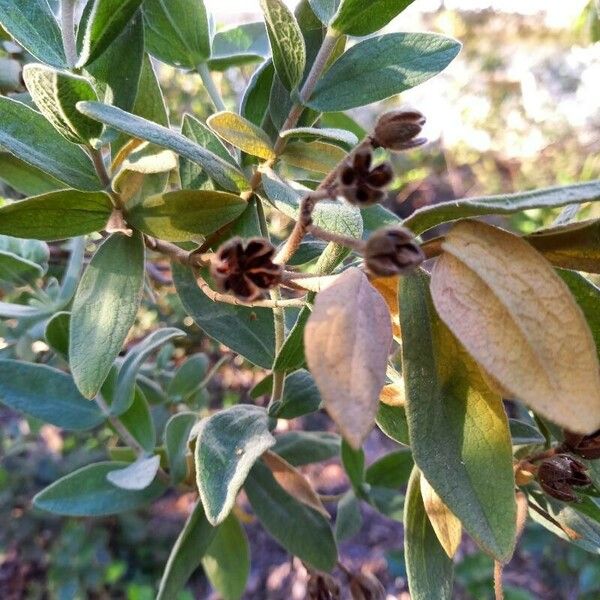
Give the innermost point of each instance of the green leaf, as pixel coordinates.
(349, 519)
(24, 178)
(291, 356)
(104, 309)
(18, 270)
(47, 394)
(380, 67)
(430, 571)
(88, 493)
(287, 42)
(318, 157)
(177, 433)
(106, 22)
(255, 103)
(125, 389)
(391, 471)
(523, 433)
(138, 421)
(587, 296)
(356, 17)
(56, 93)
(306, 447)
(447, 401)
(192, 175)
(242, 134)
(392, 421)
(338, 217)
(57, 333)
(353, 462)
(227, 445)
(239, 46)
(188, 377)
(247, 331)
(56, 215)
(120, 86)
(136, 476)
(191, 545)
(227, 560)
(574, 246)
(325, 9)
(300, 397)
(33, 25)
(29, 136)
(177, 32)
(337, 136)
(429, 217)
(179, 216)
(301, 530)
(220, 170)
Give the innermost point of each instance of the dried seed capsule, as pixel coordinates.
(365, 586)
(586, 446)
(398, 129)
(246, 268)
(322, 586)
(559, 474)
(392, 251)
(360, 184)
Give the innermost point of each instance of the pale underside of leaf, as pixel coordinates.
(518, 319)
(347, 340)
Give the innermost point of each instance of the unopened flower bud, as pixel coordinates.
(586, 446)
(362, 185)
(398, 129)
(559, 474)
(392, 251)
(365, 586)
(246, 268)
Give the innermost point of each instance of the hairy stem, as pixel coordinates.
(67, 21)
(498, 587)
(120, 428)
(227, 299)
(210, 86)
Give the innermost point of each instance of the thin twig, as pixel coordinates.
(120, 428)
(210, 87)
(177, 254)
(336, 238)
(227, 299)
(433, 248)
(498, 587)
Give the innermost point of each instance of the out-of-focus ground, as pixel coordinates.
(517, 110)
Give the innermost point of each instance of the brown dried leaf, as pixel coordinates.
(347, 340)
(517, 318)
(446, 525)
(293, 482)
(388, 288)
(393, 395)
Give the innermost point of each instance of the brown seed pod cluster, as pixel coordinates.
(559, 474)
(586, 446)
(246, 268)
(397, 130)
(392, 251)
(360, 183)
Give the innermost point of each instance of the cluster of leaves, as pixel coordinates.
(427, 357)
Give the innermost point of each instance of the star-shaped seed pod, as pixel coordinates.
(397, 130)
(246, 268)
(586, 446)
(559, 474)
(392, 251)
(362, 185)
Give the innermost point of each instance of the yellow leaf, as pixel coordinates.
(517, 318)
(388, 288)
(446, 525)
(393, 395)
(314, 156)
(242, 134)
(293, 482)
(347, 340)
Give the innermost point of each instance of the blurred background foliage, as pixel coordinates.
(518, 110)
